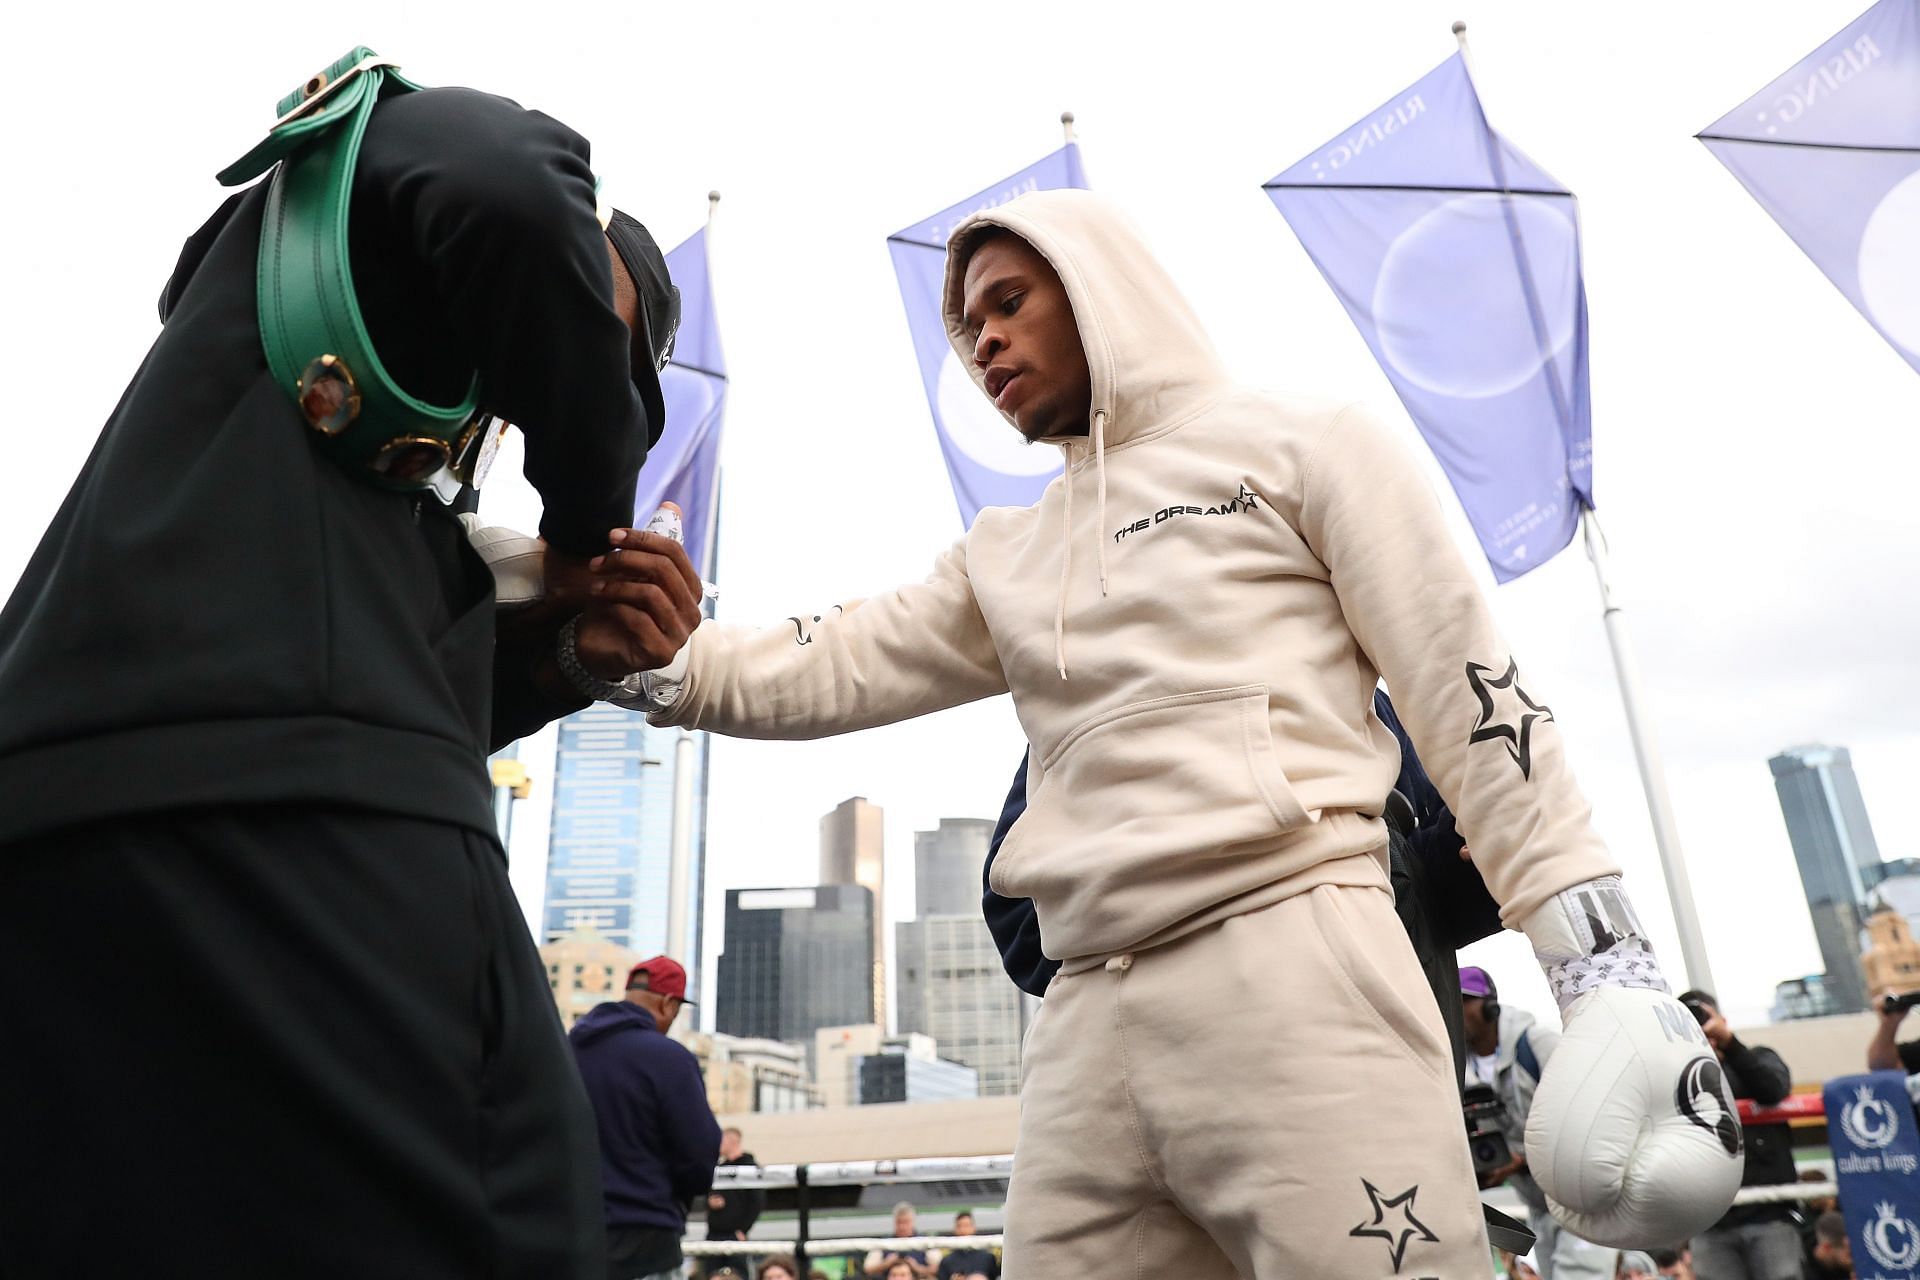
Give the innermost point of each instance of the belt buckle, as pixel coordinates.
(319, 86)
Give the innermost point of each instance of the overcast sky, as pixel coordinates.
(1754, 439)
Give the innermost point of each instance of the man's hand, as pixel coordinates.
(716, 1202)
(642, 604)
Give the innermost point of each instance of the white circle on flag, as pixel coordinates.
(1448, 305)
(1889, 264)
(977, 429)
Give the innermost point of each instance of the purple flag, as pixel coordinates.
(1458, 259)
(684, 467)
(1832, 150)
(989, 464)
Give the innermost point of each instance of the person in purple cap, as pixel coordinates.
(1506, 1050)
(658, 1138)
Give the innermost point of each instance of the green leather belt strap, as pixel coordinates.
(316, 341)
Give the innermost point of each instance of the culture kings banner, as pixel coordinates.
(1876, 1162)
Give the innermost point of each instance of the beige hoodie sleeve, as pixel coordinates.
(911, 651)
(1484, 732)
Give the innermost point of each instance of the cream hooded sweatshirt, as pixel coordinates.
(1192, 621)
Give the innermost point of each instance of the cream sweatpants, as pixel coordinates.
(1269, 1098)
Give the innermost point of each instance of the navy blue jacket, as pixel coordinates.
(1454, 898)
(659, 1141)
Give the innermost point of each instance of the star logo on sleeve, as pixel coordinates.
(1506, 713)
(1397, 1228)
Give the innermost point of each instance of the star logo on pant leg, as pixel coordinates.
(1513, 720)
(1398, 1228)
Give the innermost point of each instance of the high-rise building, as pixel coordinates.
(796, 960)
(947, 863)
(611, 847)
(853, 851)
(951, 986)
(1838, 858)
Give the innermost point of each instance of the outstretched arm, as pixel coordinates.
(908, 652)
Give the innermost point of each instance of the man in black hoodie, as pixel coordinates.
(245, 703)
(658, 1137)
(1753, 1241)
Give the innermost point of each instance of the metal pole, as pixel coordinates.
(680, 869)
(801, 1205)
(1653, 776)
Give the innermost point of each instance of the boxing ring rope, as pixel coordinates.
(864, 1173)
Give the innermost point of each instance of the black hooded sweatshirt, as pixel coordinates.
(220, 615)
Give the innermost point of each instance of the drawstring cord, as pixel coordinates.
(1100, 534)
(1100, 474)
(1066, 571)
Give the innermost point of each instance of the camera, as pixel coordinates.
(1485, 1112)
(1894, 1004)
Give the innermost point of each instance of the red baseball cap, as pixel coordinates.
(664, 977)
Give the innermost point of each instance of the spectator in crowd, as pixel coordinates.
(1507, 1050)
(1818, 1204)
(731, 1214)
(1884, 1053)
(779, 1266)
(880, 1262)
(963, 1263)
(658, 1137)
(1832, 1249)
(900, 1269)
(1635, 1265)
(1674, 1264)
(1753, 1241)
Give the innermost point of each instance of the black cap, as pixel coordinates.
(659, 310)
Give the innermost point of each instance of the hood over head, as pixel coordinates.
(611, 1018)
(1151, 362)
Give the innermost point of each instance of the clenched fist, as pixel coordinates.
(642, 604)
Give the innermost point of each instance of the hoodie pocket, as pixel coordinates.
(1136, 793)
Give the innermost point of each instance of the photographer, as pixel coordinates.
(1506, 1052)
(1754, 1241)
(1883, 1052)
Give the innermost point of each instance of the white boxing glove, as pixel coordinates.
(1633, 1133)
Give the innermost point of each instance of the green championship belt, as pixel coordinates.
(316, 340)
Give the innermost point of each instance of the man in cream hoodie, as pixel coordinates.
(1239, 1069)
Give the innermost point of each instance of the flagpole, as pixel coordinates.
(680, 861)
(1466, 54)
(1653, 774)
